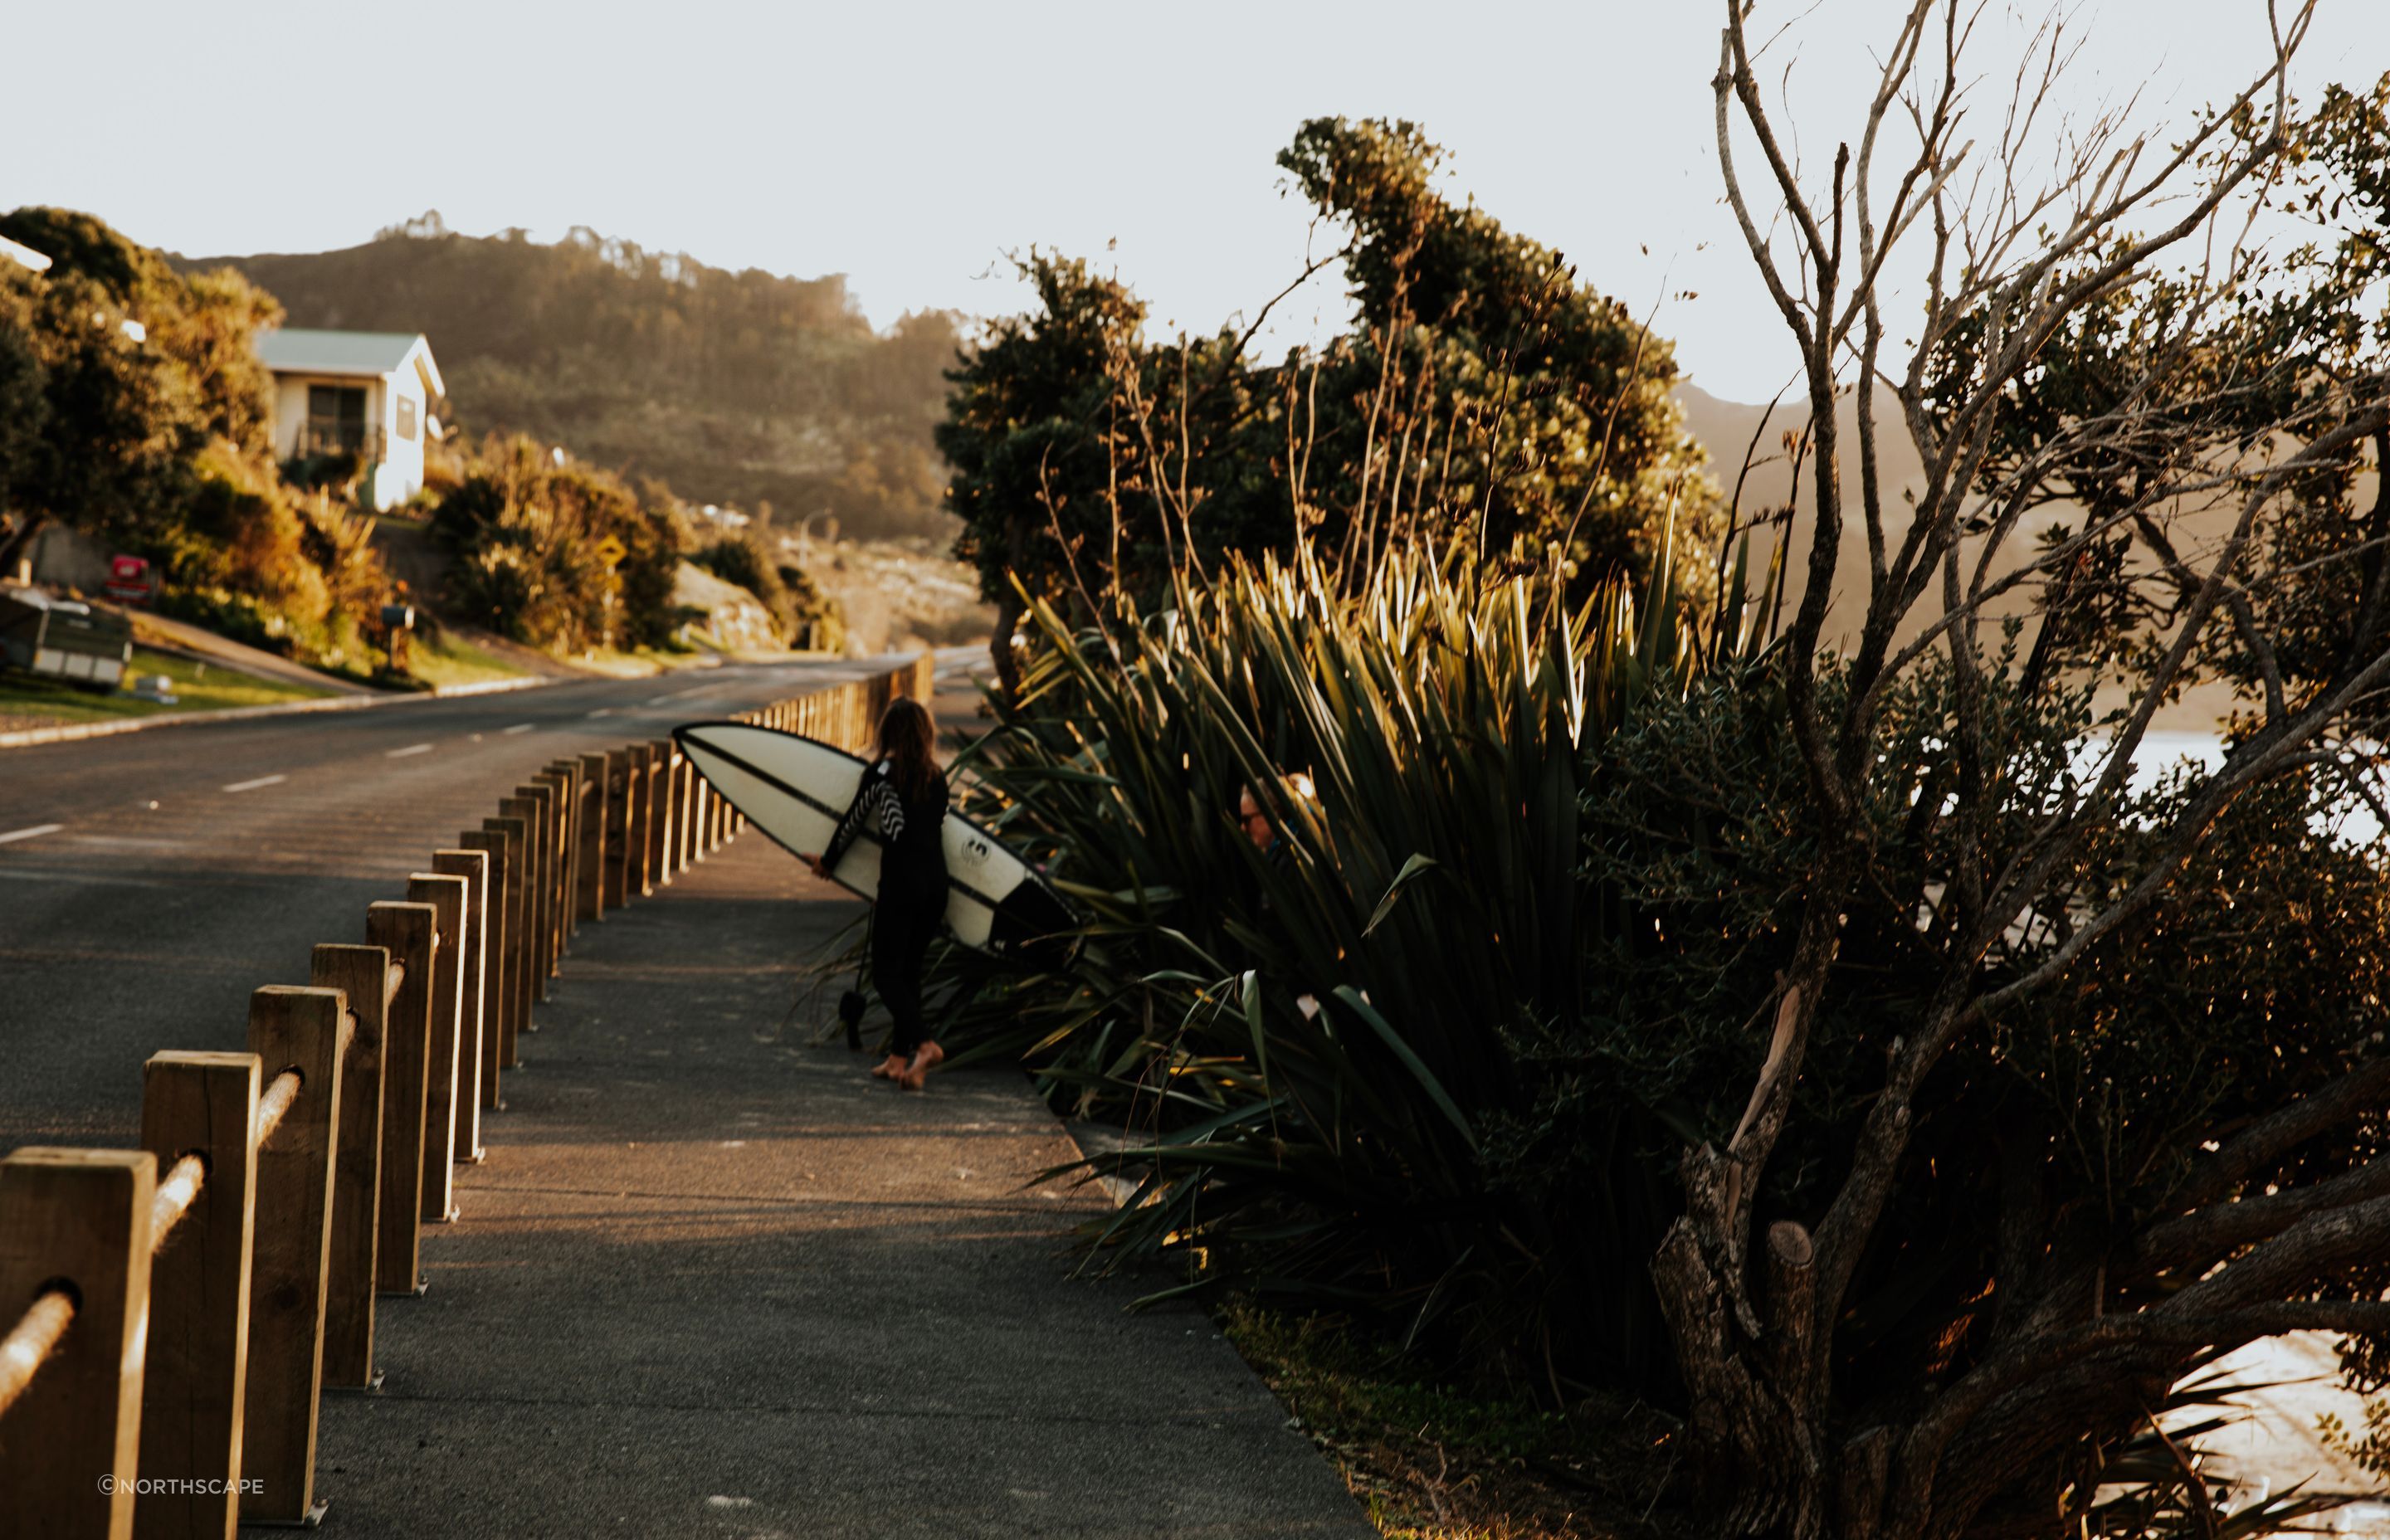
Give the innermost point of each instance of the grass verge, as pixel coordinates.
(447, 660)
(198, 687)
(1432, 1462)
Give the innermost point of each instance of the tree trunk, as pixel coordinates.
(1000, 647)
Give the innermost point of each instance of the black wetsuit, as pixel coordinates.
(912, 887)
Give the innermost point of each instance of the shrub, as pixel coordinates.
(1321, 1051)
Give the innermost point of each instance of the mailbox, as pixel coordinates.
(64, 639)
(129, 580)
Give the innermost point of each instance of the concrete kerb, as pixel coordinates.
(67, 733)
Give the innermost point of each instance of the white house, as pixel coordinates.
(366, 392)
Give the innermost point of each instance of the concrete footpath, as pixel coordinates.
(715, 1282)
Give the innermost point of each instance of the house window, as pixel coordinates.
(335, 419)
(406, 420)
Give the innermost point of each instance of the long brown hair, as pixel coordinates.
(908, 741)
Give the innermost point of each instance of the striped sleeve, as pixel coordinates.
(870, 798)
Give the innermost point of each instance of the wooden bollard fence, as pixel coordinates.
(366, 977)
(78, 1219)
(196, 1361)
(305, 1031)
(411, 934)
(186, 1319)
(472, 970)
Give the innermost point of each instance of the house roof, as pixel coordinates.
(297, 350)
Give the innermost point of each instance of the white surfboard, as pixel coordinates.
(796, 789)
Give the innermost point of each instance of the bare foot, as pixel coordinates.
(890, 1067)
(925, 1058)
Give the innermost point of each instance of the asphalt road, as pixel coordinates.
(149, 881)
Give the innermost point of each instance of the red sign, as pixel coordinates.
(129, 580)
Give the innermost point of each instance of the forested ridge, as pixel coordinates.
(741, 388)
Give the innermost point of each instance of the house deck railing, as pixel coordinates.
(338, 437)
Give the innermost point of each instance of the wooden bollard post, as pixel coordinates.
(560, 820)
(686, 817)
(533, 804)
(446, 895)
(634, 760)
(539, 867)
(617, 788)
(667, 809)
(568, 772)
(202, 1104)
(472, 973)
(538, 887)
(676, 823)
(592, 895)
(411, 934)
(529, 803)
(651, 816)
(67, 1447)
(362, 974)
(659, 850)
(519, 922)
(304, 1030)
(639, 819)
(560, 878)
(497, 1008)
(639, 878)
(684, 793)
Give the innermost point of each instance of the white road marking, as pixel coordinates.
(14, 835)
(410, 749)
(261, 780)
(603, 710)
(519, 727)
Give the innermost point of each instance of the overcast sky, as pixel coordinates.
(909, 147)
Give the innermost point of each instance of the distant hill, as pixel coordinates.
(1730, 429)
(743, 388)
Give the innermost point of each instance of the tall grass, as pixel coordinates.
(1317, 1053)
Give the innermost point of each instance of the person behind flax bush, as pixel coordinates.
(903, 801)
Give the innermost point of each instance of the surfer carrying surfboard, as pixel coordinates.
(902, 799)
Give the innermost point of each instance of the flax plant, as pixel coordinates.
(1315, 1052)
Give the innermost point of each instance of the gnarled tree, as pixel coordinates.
(2122, 345)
